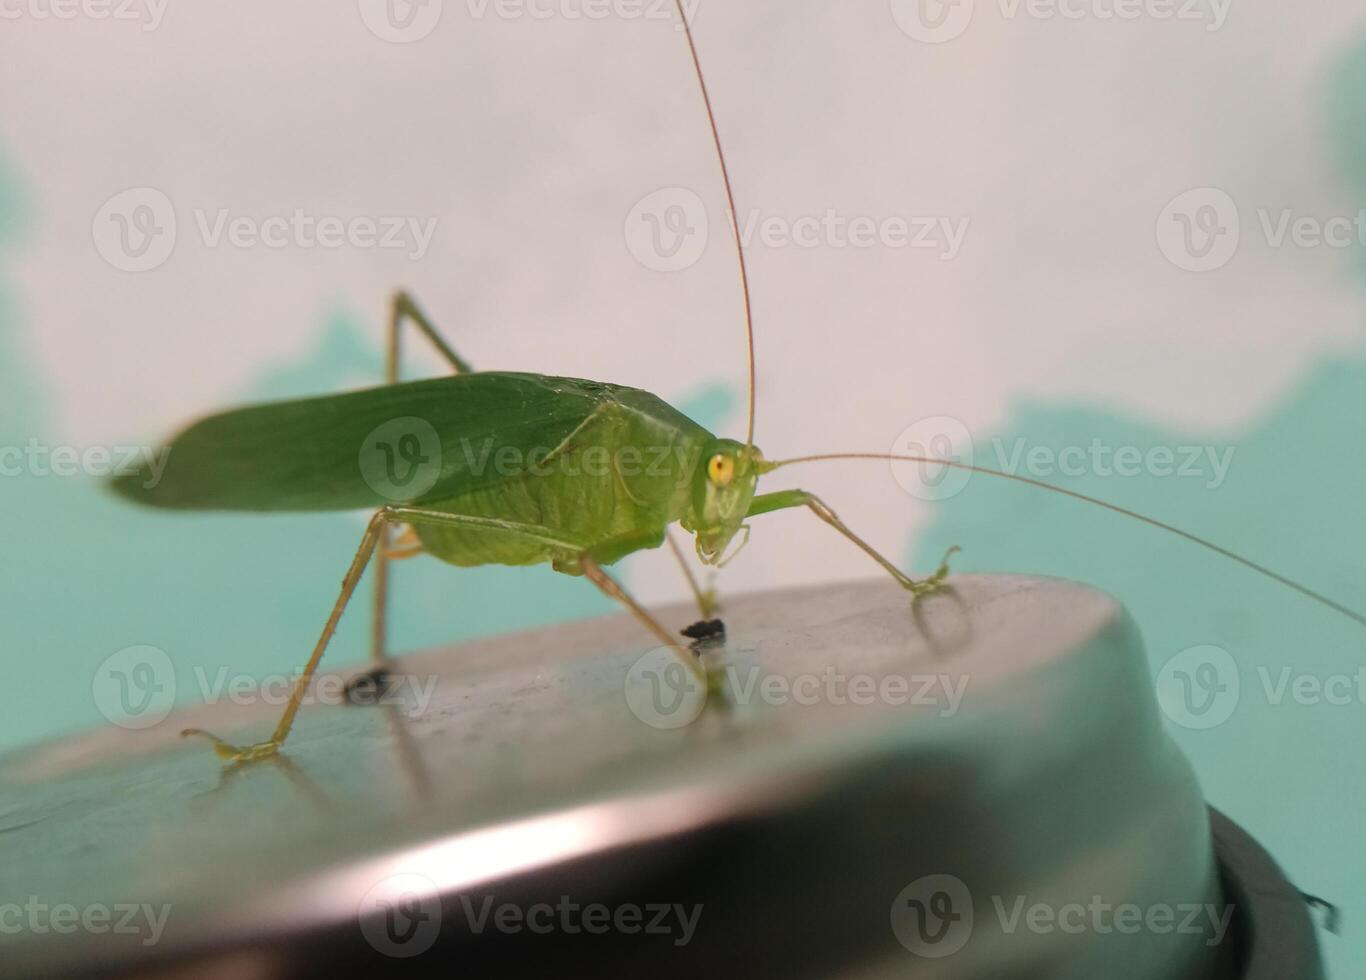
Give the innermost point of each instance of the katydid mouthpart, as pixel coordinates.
(517, 469)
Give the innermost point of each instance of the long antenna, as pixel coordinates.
(730, 200)
(1260, 569)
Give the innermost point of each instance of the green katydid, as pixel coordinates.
(517, 469)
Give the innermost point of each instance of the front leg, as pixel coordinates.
(787, 499)
(707, 605)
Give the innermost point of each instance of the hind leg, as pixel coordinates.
(374, 531)
(403, 310)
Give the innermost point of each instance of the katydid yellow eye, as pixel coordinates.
(721, 470)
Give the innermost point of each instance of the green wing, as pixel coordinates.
(405, 443)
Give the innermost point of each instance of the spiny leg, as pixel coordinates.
(264, 750)
(612, 588)
(403, 309)
(369, 543)
(785, 499)
(406, 310)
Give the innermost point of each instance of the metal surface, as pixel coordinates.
(806, 817)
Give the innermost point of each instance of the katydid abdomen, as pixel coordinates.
(612, 486)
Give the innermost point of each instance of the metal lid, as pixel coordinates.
(973, 785)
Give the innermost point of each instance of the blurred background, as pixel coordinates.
(1112, 244)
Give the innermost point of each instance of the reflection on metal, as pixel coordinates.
(863, 764)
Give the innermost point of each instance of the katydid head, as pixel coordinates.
(722, 490)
